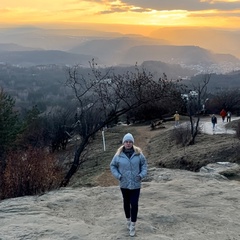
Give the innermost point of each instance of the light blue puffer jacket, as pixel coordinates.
(126, 170)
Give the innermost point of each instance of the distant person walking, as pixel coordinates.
(214, 121)
(176, 118)
(223, 114)
(129, 166)
(229, 115)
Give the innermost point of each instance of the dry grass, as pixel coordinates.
(159, 149)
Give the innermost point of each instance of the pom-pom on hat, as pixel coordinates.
(128, 137)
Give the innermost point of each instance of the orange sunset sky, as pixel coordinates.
(147, 13)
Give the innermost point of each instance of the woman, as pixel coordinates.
(129, 166)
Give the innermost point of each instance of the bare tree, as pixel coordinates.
(104, 97)
(195, 104)
(228, 99)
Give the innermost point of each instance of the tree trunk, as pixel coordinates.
(194, 130)
(76, 163)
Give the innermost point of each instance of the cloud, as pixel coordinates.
(189, 5)
(215, 14)
(116, 6)
(138, 12)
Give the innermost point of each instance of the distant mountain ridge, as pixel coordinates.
(216, 40)
(32, 58)
(130, 51)
(78, 46)
(118, 53)
(15, 47)
(176, 54)
(113, 50)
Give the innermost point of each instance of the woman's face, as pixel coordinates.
(128, 144)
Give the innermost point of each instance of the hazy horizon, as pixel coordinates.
(218, 40)
(144, 30)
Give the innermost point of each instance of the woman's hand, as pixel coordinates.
(138, 178)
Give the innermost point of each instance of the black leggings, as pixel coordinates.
(130, 202)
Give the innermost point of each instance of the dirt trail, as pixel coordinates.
(144, 136)
(142, 139)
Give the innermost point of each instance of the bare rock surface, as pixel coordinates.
(174, 205)
(227, 169)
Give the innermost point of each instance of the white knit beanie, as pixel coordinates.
(128, 137)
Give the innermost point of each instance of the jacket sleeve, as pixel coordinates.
(114, 168)
(143, 166)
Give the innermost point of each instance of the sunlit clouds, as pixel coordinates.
(214, 13)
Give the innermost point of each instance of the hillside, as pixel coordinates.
(174, 204)
(160, 150)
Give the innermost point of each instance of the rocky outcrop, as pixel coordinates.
(225, 169)
(174, 205)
